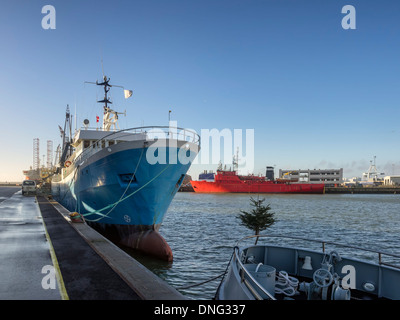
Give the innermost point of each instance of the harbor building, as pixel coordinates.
(391, 181)
(329, 177)
(351, 182)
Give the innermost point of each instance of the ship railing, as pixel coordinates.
(146, 132)
(169, 132)
(379, 254)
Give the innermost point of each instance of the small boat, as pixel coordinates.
(278, 272)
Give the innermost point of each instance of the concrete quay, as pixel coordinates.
(363, 190)
(46, 256)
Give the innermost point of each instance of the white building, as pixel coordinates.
(327, 176)
(351, 181)
(391, 181)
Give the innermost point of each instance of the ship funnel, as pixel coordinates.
(269, 175)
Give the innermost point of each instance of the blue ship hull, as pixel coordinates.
(121, 194)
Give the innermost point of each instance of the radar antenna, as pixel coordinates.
(110, 117)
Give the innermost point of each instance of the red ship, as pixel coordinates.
(231, 182)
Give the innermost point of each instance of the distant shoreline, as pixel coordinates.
(357, 190)
(365, 190)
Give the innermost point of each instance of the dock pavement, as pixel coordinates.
(46, 256)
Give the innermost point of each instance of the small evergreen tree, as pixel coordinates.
(259, 218)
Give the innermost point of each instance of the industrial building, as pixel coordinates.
(328, 176)
(391, 181)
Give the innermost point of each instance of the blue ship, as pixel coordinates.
(123, 181)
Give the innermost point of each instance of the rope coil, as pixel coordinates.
(286, 284)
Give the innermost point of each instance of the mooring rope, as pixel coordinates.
(203, 282)
(199, 284)
(126, 189)
(112, 205)
(97, 212)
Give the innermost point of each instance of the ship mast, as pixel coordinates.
(235, 162)
(110, 117)
(66, 139)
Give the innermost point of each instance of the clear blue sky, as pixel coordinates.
(317, 96)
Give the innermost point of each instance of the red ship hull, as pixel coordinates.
(229, 182)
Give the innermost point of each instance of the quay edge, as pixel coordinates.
(358, 190)
(142, 281)
(363, 190)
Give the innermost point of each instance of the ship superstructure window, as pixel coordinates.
(86, 144)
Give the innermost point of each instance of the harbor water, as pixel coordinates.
(202, 230)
